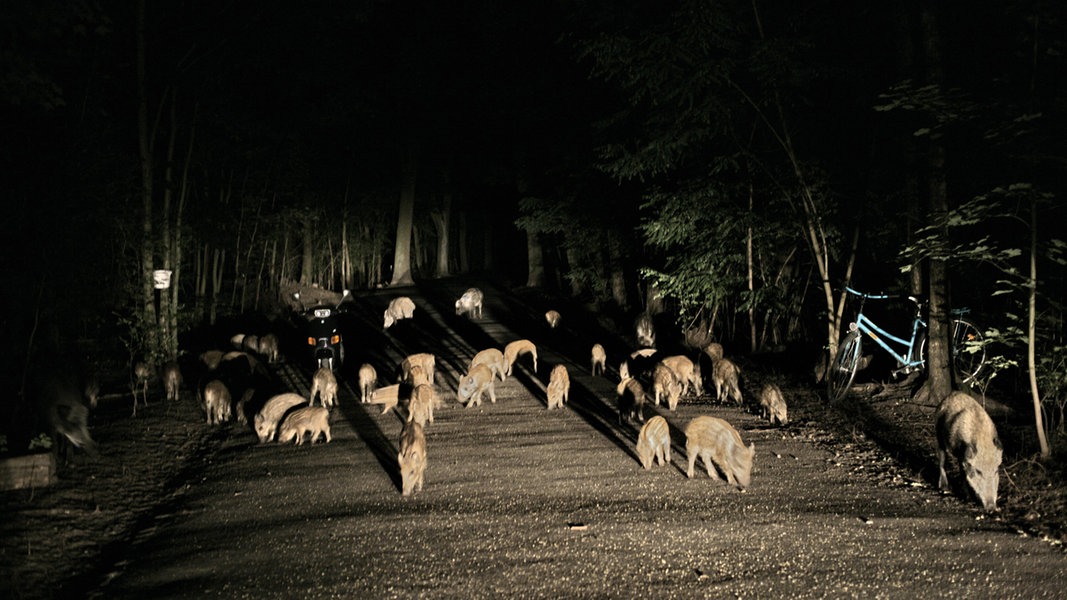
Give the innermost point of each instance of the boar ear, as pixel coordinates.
(996, 442)
(969, 452)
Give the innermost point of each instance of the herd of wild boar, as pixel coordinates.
(963, 428)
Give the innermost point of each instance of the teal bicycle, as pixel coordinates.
(968, 352)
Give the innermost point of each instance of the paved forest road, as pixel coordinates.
(520, 501)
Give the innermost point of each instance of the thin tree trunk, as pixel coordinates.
(145, 145)
(442, 221)
(1031, 337)
(464, 259)
(405, 222)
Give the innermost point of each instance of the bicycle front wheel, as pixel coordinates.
(968, 351)
(843, 368)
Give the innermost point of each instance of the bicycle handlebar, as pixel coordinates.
(918, 300)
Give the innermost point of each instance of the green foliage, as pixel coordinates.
(43, 441)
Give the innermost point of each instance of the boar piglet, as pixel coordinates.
(654, 442)
(399, 308)
(478, 380)
(559, 387)
(324, 385)
(772, 404)
(470, 303)
(412, 457)
(266, 420)
(719, 445)
(313, 420)
(631, 398)
(965, 430)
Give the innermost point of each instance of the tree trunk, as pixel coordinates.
(307, 256)
(145, 144)
(1031, 335)
(464, 259)
(617, 268)
(404, 223)
(535, 260)
(441, 220)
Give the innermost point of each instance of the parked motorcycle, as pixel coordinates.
(322, 333)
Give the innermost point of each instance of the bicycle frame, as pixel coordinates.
(906, 359)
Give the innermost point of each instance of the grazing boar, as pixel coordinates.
(515, 349)
(639, 363)
(631, 399)
(559, 387)
(141, 374)
(250, 343)
(172, 380)
(492, 358)
(67, 415)
(425, 361)
(470, 303)
(687, 372)
(420, 407)
(268, 347)
(314, 420)
(211, 359)
(389, 396)
(266, 420)
(599, 359)
(645, 331)
(965, 431)
(237, 341)
(399, 308)
(241, 409)
(725, 375)
(666, 383)
(714, 351)
(553, 317)
(478, 380)
(368, 380)
(412, 457)
(772, 404)
(324, 385)
(654, 442)
(216, 403)
(715, 441)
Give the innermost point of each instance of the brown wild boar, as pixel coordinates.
(478, 380)
(772, 404)
(631, 399)
(368, 380)
(211, 359)
(687, 372)
(420, 407)
(965, 431)
(470, 303)
(645, 331)
(389, 396)
(266, 420)
(714, 351)
(237, 341)
(141, 374)
(598, 360)
(172, 380)
(250, 343)
(314, 420)
(665, 383)
(654, 442)
(553, 317)
(217, 402)
(424, 360)
(412, 457)
(559, 387)
(725, 375)
(492, 358)
(715, 441)
(399, 308)
(324, 386)
(241, 410)
(516, 349)
(268, 347)
(67, 415)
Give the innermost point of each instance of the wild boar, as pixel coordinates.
(250, 343)
(687, 372)
(425, 361)
(515, 349)
(217, 402)
(67, 415)
(492, 358)
(266, 420)
(389, 396)
(631, 400)
(654, 442)
(368, 380)
(478, 380)
(470, 303)
(645, 331)
(211, 359)
(420, 407)
(725, 376)
(412, 457)
(399, 308)
(313, 420)
(598, 360)
(324, 386)
(268, 347)
(639, 363)
(772, 404)
(559, 387)
(715, 441)
(139, 381)
(237, 341)
(172, 380)
(241, 410)
(553, 317)
(965, 431)
(714, 351)
(665, 383)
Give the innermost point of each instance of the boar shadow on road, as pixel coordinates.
(383, 448)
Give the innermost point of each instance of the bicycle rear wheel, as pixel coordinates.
(843, 368)
(968, 352)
